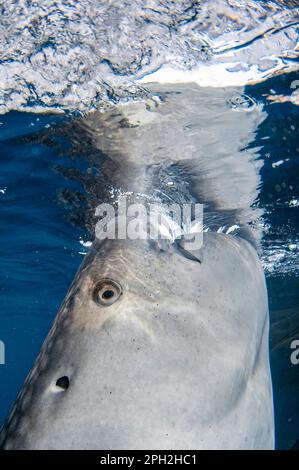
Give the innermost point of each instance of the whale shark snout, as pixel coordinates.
(154, 349)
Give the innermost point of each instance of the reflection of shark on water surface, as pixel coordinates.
(156, 346)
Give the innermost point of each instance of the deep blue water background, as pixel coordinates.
(40, 248)
(277, 140)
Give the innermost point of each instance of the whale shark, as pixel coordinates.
(178, 358)
(158, 345)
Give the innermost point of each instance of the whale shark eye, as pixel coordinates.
(106, 292)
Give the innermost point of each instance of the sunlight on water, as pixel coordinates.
(80, 55)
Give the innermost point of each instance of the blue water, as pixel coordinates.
(42, 224)
(39, 248)
(277, 140)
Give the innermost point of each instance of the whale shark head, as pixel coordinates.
(138, 355)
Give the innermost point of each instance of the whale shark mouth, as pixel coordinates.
(77, 56)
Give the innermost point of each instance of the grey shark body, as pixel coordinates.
(154, 347)
(180, 360)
